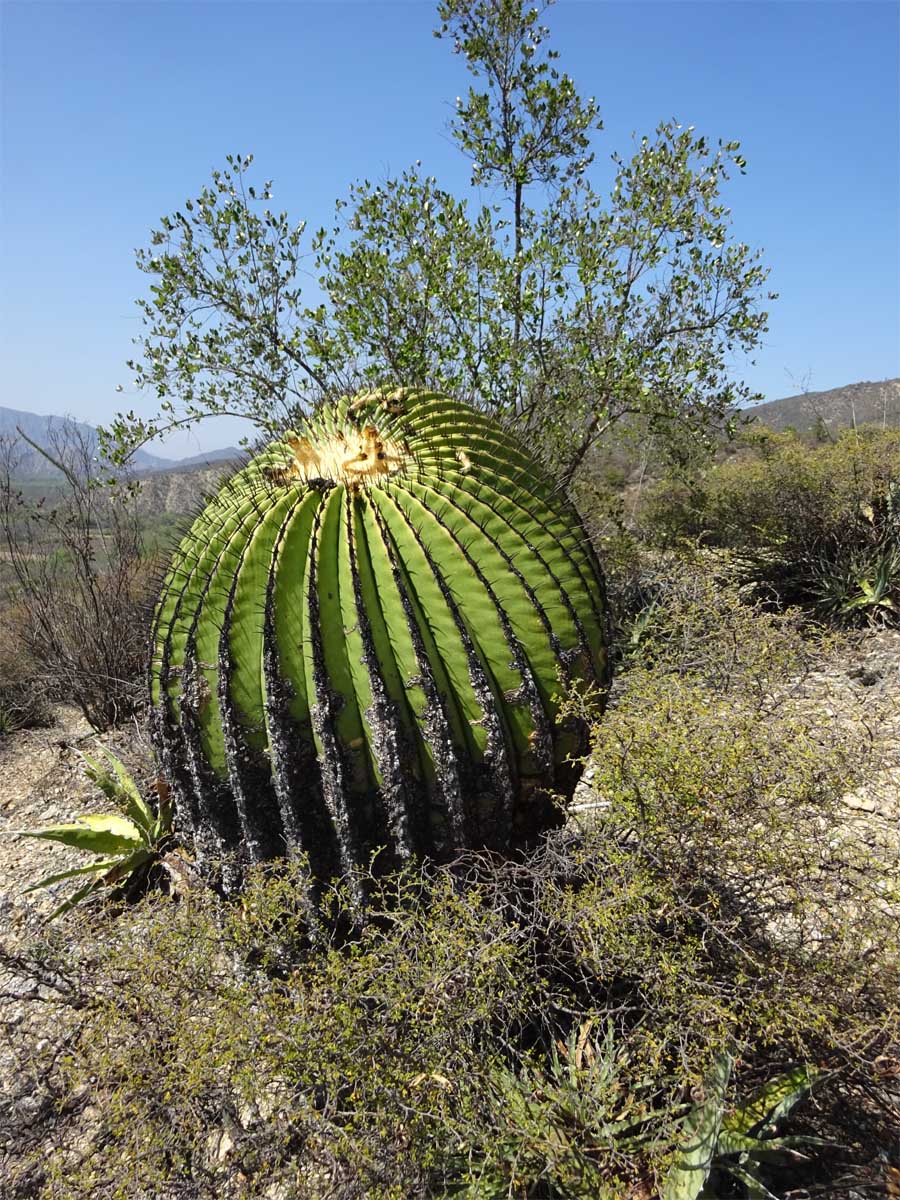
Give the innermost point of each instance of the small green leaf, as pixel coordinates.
(736, 1143)
(772, 1101)
(76, 898)
(756, 1189)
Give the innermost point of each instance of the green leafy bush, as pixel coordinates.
(819, 524)
(720, 804)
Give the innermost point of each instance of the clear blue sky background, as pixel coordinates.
(112, 114)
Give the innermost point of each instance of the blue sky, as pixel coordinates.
(112, 114)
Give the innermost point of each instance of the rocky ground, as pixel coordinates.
(42, 782)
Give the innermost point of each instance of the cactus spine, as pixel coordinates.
(359, 642)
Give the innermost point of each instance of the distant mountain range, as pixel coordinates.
(42, 430)
(839, 408)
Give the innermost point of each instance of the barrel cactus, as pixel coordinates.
(360, 642)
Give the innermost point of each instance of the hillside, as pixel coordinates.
(181, 490)
(855, 404)
(43, 430)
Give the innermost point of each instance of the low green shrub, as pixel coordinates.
(690, 610)
(726, 879)
(813, 524)
(224, 1057)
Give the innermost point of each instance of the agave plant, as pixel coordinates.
(718, 1141)
(867, 585)
(563, 1126)
(878, 595)
(124, 844)
(359, 642)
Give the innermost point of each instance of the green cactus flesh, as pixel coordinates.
(360, 643)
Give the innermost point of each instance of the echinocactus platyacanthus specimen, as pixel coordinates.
(360, 642)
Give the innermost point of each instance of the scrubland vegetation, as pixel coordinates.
(813, 524)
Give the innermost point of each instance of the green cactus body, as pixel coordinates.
(360, 642)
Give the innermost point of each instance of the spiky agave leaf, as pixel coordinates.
(700, 1136)
(102, 834)
(360, 641)
(739, 1140)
